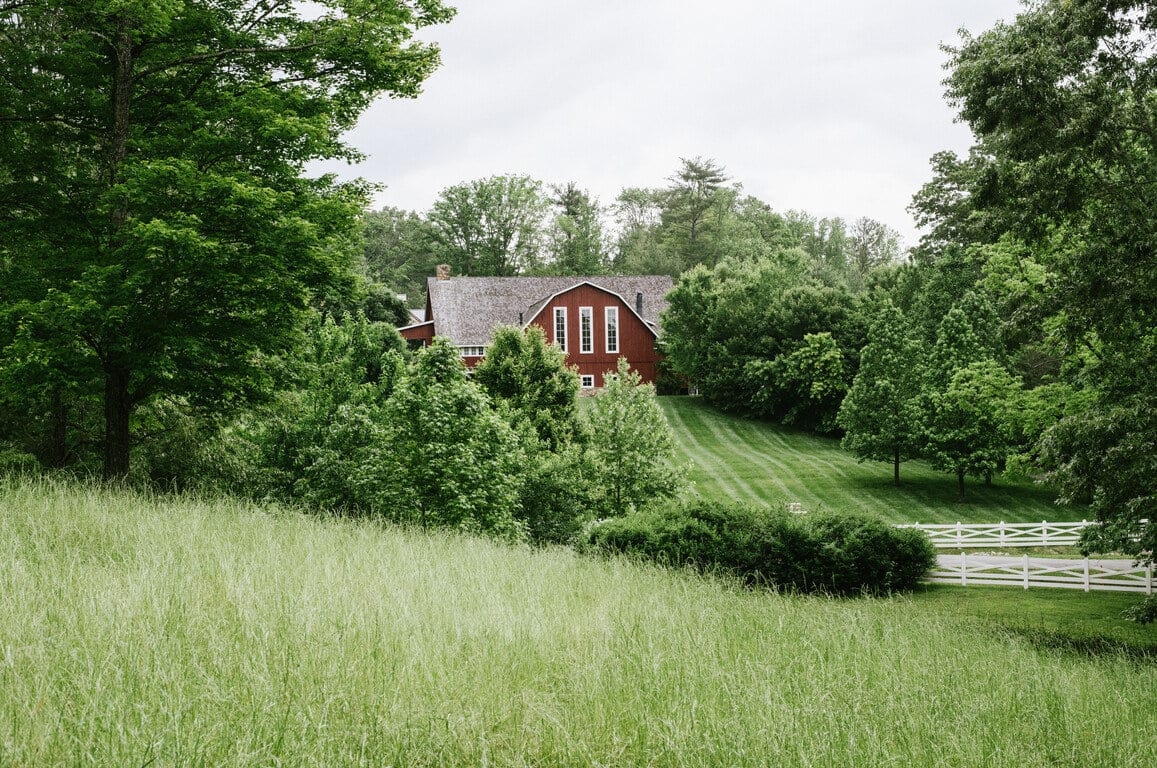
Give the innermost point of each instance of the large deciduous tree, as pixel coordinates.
(491, 226)
(577, 240)
(1061, 102)
(159, 235)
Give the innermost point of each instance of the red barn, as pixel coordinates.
(596, 320)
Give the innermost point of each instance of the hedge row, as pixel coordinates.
(835, 554)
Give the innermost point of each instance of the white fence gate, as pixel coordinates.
(1110, 575)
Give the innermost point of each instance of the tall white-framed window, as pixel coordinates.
(612, 322)
(560, 328)
(586, 330)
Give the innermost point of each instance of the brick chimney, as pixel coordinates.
(443, 272)
(639, 303)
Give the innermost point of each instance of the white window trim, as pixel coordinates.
(560, 341)
(472, 351)
(611, 320)
(588, 381)
(587, 345)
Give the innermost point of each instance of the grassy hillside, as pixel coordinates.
(136, 631)
(754, 461)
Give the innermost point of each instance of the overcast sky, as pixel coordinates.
(829, 106)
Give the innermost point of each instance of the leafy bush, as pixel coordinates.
(861, 553)
(14, 461)
(842, 555)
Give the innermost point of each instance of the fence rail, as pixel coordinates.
(1089, 575)
(1002, 534)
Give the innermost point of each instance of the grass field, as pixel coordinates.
(751, 461)
(141, 631)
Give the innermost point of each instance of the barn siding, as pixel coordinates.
(636, 340)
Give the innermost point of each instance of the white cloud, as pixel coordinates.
(828, 106)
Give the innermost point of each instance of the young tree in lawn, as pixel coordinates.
(159, 235)
(970, 426)
(881, 412)
(630, 445)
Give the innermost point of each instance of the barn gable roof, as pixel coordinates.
(468, 309)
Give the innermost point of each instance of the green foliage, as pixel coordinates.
(556, 496)
(160, 239)
(311, 443)
(577, 241)
(1065, 169)
(397, 250)
(764, 340)
(530, 377)
(881, 414)
(630, 447)
(1105, 457)
(969, 427)
(858, 553)
(836, 554)
(809, 383)
(491, 226)
(446, 457)
(14, 461)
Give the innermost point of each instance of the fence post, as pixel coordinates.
(1002, 533)
(1086, 574)
(959, 537)
(1026, 571)
(1044, 531)
(963, 568)
(1149, 579)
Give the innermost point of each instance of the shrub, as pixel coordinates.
(836, 554)
(14, 461)
(861, 553)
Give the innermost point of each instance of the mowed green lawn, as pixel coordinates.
(174, 632)
(757, 462)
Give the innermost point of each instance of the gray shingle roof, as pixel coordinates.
(468, 309)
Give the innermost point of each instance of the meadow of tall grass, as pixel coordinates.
(147, 631)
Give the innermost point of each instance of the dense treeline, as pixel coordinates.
(515, 225)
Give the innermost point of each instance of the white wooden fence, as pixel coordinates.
(1110, 575)
(1002, 534)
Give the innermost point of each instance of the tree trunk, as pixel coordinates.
(118, 403)
(58, 435)
(117, 410)
(896, 466)
(960, 486)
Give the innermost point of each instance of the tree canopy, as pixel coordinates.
(160, 235)
(1063, 173)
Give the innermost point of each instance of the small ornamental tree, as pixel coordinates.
(530, 376)
(881, 415)
(447, 458)
(969, 428)
(630, 444)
